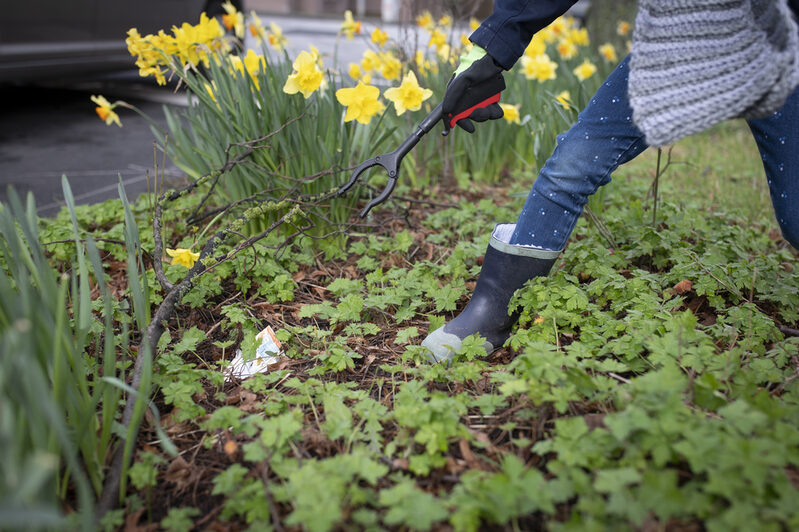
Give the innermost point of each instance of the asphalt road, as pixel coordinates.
(47, 132)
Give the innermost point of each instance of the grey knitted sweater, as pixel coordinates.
(697, 62)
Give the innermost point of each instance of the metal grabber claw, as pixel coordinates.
(391, 161)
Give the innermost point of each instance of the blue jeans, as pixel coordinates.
(605, 137)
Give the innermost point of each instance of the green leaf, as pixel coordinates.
(189, 341)
(612, 480)
(411, 507)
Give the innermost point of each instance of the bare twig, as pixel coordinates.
(600, 226)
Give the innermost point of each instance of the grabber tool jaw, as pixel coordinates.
(391, 162)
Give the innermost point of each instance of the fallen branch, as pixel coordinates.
(289, 213)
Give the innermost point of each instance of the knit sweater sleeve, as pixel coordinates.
(508, 30)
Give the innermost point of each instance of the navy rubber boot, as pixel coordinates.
(506, 268)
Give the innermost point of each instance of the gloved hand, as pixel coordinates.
(473, 91)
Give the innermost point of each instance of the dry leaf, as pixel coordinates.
(231, 448)
(181, 473)
(682, 287)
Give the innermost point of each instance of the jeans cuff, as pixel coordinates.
(500, 240)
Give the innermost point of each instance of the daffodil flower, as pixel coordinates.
(370, 61)
(275, 37)
(608, 51)
(425, 20)
(355, 71)
(150, 52)
(233, 19)
(579, 36)
(559, 26)
(567, 49)
(390, 66)
(379, 37)
(540, 67)
(537, 46)
(445, 21)
(409, 95)
(511, 113)
(306, 77)
(193, 42)
(257, 29)
(251, 64)
(362, 102)
(474, 23)
(105, 110)
(350, 26)
(585, 70)
(437, 38)
(424, 65)
(183, 257)
(564, 99)
(623, 28)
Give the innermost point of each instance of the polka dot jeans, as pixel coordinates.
(605, 137)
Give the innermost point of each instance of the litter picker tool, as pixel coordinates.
(391, 161)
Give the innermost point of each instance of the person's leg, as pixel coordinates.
(777, 139)
(602, 138)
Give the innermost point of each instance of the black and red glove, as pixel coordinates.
(473, 92)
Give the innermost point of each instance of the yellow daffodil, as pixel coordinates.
(362, 102)
(350, 26)
(409, 95)
(540, 67)
(233, 19)
(567, 49)
(608, 51)
(444, 54)
(379, 37)
(623, 28)
(257, 29)
(390, 66)
(306, 77)
(370, 61)
(275, 37)
(424, 65)
(564, 99)
(445, 21)
(317, 55)
(474, 23)
(559, 26)
(193, 43)
(355, 71)
(425, 20)
(548, 35)
(183, 257)
(585, 70)
(252, 64)
(151, 52)
(437, 38)
(511, 113)
(579, 36)
(105, 110)
(466, 43)
(537, 46)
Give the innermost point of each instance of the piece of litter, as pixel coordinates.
(268, 352)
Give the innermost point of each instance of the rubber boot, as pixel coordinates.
(506, 268)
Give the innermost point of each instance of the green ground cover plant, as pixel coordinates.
(651, 382)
